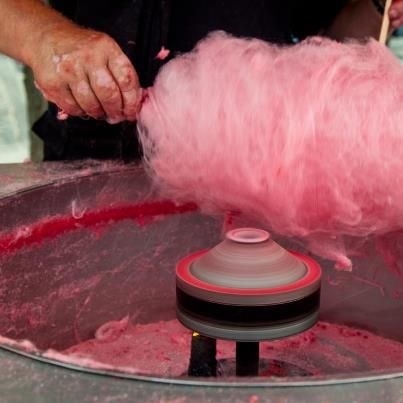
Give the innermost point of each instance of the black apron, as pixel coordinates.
(141, 27)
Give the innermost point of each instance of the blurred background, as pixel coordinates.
(21, 104)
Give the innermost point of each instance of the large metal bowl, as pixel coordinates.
(63, 274)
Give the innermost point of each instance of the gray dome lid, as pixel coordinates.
(248, 258)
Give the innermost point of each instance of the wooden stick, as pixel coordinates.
(385, 23)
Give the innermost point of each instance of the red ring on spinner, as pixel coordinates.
(312, 275)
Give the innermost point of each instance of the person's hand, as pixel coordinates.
(85, 73)
(396, 14)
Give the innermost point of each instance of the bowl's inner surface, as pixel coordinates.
(77, 255)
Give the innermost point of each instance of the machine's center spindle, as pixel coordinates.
(248, 235)
(247, 289)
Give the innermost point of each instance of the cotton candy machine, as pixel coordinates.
(88, 302)
(247, 289)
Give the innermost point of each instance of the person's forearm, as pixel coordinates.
(358, 19)
(83, 72)
(22, 24)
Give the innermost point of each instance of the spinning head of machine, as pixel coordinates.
(248, 289)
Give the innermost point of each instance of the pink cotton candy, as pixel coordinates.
(163, 53)
(62, 115)
(306, 138)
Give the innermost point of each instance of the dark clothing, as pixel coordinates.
(141, 27)
(279, 21)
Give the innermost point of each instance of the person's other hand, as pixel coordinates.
(396, 14)
(85, 73)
